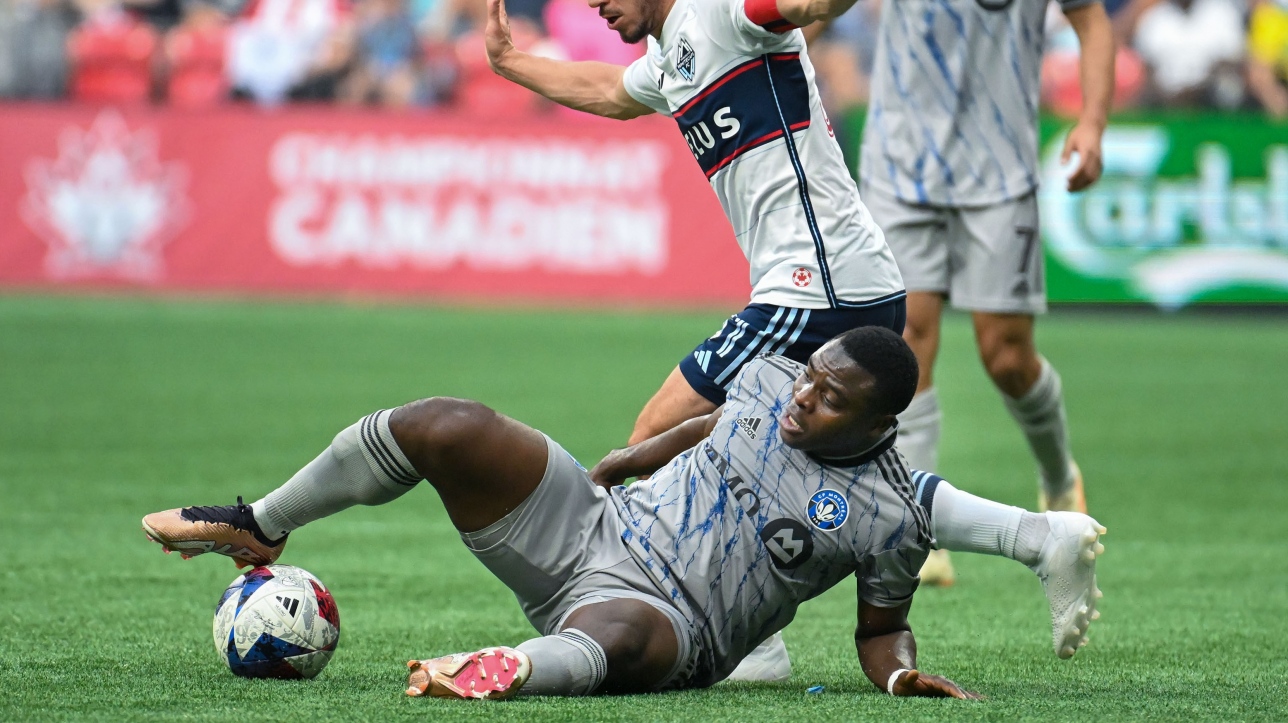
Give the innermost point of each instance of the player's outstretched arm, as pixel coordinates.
(804, 12)
(586, 86)
(1096, 74)
(888, 654)
(650, 455)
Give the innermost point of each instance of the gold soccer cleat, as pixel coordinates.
(1074, 500)
(489, 674)
(228, 530)
(937, 570)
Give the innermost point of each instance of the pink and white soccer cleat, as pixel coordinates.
(489, 674)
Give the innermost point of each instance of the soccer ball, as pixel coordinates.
(276, 622)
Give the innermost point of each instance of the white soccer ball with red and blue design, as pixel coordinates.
(277, 621)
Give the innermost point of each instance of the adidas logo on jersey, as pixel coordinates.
(749, 425)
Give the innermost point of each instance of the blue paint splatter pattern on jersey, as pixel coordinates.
(953, 113)
(725, 526)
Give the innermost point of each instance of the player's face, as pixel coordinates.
(632, 19)
(830, 410)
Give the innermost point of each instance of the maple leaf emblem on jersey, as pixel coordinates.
(802, 276)
(685, 60)
(107, 204)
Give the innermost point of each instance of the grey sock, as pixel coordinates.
(919, 431)
(570, 663)
(363, 466)
(1041, 416)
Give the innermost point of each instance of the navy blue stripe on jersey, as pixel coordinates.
(772, 335)
(734, 114)
(871, 302)
(768, 329)
(793, 88)
(926, 485)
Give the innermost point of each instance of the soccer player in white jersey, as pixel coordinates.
(735, 76)
(789, 488)
(949, 170)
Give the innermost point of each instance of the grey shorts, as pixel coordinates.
(562, 549)
(985, 259)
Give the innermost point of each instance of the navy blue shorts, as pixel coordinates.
(793, 333)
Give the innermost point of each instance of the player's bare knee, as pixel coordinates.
(625, 642)
(629, 632)
(438, 424)
(1012, 366)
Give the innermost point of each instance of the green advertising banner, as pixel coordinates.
(1190, 209)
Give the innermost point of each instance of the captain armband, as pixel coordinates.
(765, 14)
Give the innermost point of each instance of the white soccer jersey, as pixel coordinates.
(746, 101)
(953, 116)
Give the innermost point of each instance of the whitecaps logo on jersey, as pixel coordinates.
(828, 510)
(686, 60)
(107, 204)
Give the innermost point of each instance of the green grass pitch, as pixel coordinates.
(112, 408)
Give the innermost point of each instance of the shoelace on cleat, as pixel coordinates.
(240, 516)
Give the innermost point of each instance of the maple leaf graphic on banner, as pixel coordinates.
(107, 204)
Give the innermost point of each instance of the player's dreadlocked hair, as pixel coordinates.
(888, 358)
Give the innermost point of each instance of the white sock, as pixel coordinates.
(919, 431)
(363, 466)
(1040, 414)
(962, 522)
(570, 663)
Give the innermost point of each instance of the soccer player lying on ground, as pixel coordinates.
(793, 485)
(735, 76)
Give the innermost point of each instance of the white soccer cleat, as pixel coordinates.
(1067, 568)
(768, 663)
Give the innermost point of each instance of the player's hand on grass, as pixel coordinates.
(1084, 140)
(912, 683)
(496, 35)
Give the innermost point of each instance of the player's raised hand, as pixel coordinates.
(912, 683)
(1084, 140)
(496, 35)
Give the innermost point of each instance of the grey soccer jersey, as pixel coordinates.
(952, 119)
(741, 529)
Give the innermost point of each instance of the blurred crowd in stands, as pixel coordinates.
(1213, 54)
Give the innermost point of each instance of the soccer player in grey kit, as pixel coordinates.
(735, 75)
(790, 487)
(948, 169)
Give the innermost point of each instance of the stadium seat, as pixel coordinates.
(482, 92)
(1062, 87)
(197, 77)
(111, 58)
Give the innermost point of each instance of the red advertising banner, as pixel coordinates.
(324, 200)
